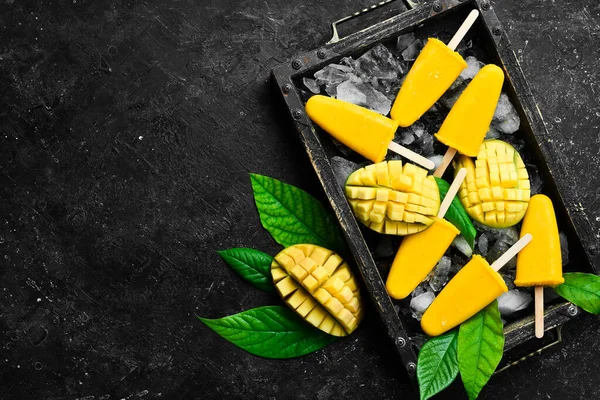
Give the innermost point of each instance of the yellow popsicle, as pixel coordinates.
(468, 121)
(417, 256)
(471, 290)
(540, 263)
(364, 131)
(433, 72)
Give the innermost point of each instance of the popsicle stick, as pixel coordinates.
(450, 153)
(464, 28)
(411, 155)
(510, 253)
(539, 312)
(452, 190)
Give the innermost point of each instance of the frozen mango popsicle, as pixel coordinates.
(364, 131)
(465, 126)
(419, 253)
(540, 264)
(475, 286)
(472, 289)
(433, 72)
(417, 256)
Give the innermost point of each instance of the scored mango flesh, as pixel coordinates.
(393, 199)
(496, 190)
(319, 286)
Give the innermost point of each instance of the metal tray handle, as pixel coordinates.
(336, 37)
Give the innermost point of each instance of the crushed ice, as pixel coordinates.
(371, 81)
(513, 301)
(420, 303)
(440, 274)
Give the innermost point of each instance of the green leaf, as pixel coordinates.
(252, 265)
(292, 216)
(480, 346)
(457, 214)
(437, 366)
(271, 332)
(581, 289)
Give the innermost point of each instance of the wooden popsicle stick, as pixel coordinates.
(464, 28)
(450, 153)
(411, 155)
(539, 312)
(452, 190)
(510, 253)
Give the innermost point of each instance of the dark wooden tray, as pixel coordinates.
(438, 19)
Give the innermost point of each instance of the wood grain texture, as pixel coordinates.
(121, 174)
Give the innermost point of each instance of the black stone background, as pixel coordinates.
(127, 131)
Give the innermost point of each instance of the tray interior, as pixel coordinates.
(480, 44)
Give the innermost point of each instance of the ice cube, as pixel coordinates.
(422, 288)
(334, 74)
(311, 85)
(508, 235)
(420, 303)
(406, 137)
(456, 84)
(482, 244)
(451, 96)
(506, 119)
(459, 260)
(404, 41)
(424, 145)
(473, 67)
(513, 301)
(483, 228)
(564, 248)
(509, 277)
(461, 244)
(412, 51)
(440, 274)
(365, 96)
(492, 134)
(342, 169)
(378, 63)
(437, 160)
(418, 128)
(379, 68)
(535, 179)
(349, 92)
(348, 62)
(331, 90)
(497, 250)
(389, 88)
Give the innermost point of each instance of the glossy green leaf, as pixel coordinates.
(437, 366)
(581, 289)
(271, 332)
(292, 216)
(457, 214)
(480, 347)
(252, 265)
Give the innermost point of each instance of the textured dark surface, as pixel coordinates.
(127, 131)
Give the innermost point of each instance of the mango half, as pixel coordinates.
(319, 286)
(393, 199)
(496, 190)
